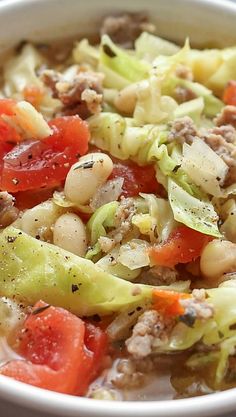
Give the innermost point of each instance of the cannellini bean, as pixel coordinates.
(70, 234)
(84, 177)
(38, 221)
(126, 99)
(218, 258)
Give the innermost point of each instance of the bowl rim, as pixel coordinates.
(31, 397)
(67, 405)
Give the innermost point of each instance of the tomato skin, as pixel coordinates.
(35, 164)
(137, 179)
(8, 134)
(7, 106)
(168, 302)
(96, 341)
(53, 344)
(229, 96)
(183, 245)
(33, 95)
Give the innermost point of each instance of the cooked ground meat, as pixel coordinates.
(158, 275)
(150, 332)
(126, 28)
(8, 213)
(184, 72)
(222, 140)
(183, 94)
(82, 95)
(196, 307)
(182, 130)
(227, 116)
(123, 217)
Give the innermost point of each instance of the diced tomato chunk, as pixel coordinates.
(34, 164)
(7, 106)
(137, 179)
(168, 302)
(61, 353)
(8, 134)
(229, 96)
(183, 245)
(33, 95)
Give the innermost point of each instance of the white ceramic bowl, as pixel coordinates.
(204, 22)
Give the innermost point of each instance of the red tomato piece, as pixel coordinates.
(229, 96)
(7, 106)
(183, 245)
(168, 302)
(137, 179)
(33, 95)
(7, 133)
(96, 342)
(53, 343)
(34, 164)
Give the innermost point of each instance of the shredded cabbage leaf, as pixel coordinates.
(120, 67)
(191, 211)
(217, 331)
(148, 47)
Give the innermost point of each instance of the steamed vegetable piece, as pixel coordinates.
(43, 163)
(229, 96)
(217, 331)
(204, 167)
(182, 246)
(151, 106)
(119, 67)
(61, 353)
(123, 138)
(194, 213)
(30, 269)
(212, 105)
(20, 73)
(149, 46)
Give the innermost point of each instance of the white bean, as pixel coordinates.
(70, 234)
(126, 99)
(84, 177)
(39, 220)
(218, 258)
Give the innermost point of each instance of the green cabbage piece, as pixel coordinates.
(213, 67)
(165, 66)
(161, 216)
(120, 67)
(212, 104)
(60, 200)
(218, 332)
(122, 138)
(191, 211)
(20, 71)
(31, 270)
(193, 108)
(148, 47)
(151, 106)
(102, 218)
(116, 268)
(204, 167)
(83, 53)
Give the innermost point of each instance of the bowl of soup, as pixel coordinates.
(117, 208)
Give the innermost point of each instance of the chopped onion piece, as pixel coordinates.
(134, 254)
(205, 168)
(110, 191)
(28, 122)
